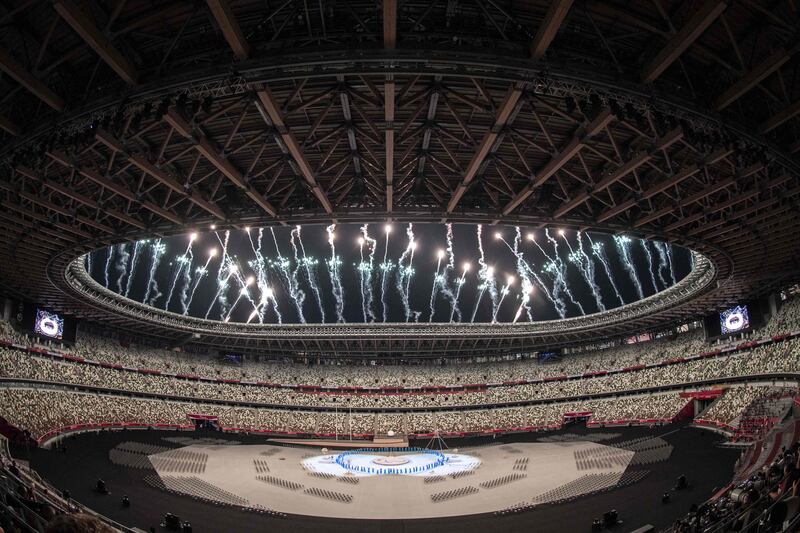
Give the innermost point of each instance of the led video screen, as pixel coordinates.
(48, 324)
(734, 320)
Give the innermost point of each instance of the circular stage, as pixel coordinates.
(391, 461)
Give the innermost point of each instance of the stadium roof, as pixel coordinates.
(670, 120)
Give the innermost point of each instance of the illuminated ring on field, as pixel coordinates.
(387, 466)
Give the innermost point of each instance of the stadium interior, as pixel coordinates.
(399, 266)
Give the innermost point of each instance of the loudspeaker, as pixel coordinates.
(171, 521)
(610, 517)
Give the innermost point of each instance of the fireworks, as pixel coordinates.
(259, 285)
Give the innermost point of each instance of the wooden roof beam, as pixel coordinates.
(41, 218)
(7, 125)
(96, 39)
(388, 114)
(160, 175)
(389, 42)
(626, 168)
(484, 148)
(567, 152)
(389, 23)
(120, 190)
(689, 32)
(211, 152)
(779, 118)
(20, 74)
(272, 114)
(752, 78)
(555, 15)
(221, 9)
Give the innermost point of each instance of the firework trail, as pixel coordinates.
(158, 248)
(562, 270)
(267, 299)
(294, 279)
(242, 292)
(599, 253)
(386, 266)
(137, 248)
(368, 269)
(200, 273)
(187, 282)
(489, 276)
(460, 283)
(334, 264)
(551, 269)
(671, 264)
(485, 275)
(222, 286)
(649, 255)
(404, 273)
(310, 267)
(586, 268)
(525, 272)
(362, 267)
(122, 264)
(223, 275)
(184, 262)
(436, 283)
(258, 264)
(522, 270)
(296, 294)
(664, 263)
(503, 292)
(267, 293)
(623, 246)
(108, 264)
(447, 291)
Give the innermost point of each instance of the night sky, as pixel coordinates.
(290, 285)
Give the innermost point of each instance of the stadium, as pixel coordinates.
(457, 265)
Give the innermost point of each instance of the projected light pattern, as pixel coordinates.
(366, 462)
(388, 273)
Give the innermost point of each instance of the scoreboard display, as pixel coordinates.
(734, 320)
(48, 324)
